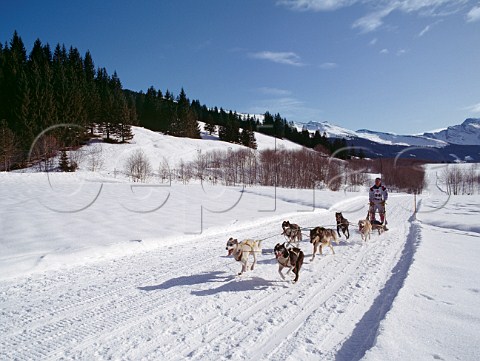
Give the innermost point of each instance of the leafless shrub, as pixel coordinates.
(164, 171)
(137, 166)
(43, 152)
(402, 175)
(94, 155)
(185, 171)
(77, 157)
(458, 180)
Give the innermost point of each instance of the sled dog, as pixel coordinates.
(323, 237)
(242, 250)
(342, 224)
(292, 231)
(365, 229)
(376, 225)
(291, 258)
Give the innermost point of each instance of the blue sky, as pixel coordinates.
(397, 66)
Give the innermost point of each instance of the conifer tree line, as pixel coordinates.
(61, 96)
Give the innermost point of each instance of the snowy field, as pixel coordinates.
(95, 268)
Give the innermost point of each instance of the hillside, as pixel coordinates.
(159, 147)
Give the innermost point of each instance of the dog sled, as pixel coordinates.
(372, 216)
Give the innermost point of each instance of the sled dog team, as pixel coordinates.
(292, 257)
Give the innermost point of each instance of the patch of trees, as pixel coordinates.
(178, 116)
(460, 180)
(52, 101)
(400, 175)
(299, 169)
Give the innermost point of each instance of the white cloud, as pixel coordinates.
(328, 66)
(377, 11)
(274, 91)
(475, 108)
(424, 31)
(428, 28)
(401, 52)
(373, 21)
(316, 5)
(288, 58)
(373, 41)
(289, 107)
(384, 51)
(474, 14)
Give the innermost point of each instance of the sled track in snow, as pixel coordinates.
(146, 306)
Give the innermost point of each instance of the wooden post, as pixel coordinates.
(415, 204)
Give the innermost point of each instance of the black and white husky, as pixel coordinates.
(291, 258)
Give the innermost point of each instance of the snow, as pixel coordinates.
(95, 267)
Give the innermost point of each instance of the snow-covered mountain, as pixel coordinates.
(467, 133)
(456, 143)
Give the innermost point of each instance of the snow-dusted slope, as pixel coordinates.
(467, 133)
(333, 131)
(159, 147)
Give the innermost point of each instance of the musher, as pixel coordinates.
(377, 197)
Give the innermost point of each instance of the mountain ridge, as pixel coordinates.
(456, 143)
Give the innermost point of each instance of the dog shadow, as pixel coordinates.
(206, 277)
(250, 284)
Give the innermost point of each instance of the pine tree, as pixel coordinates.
(185, 124)
(248, 138)
(92, 98)
(64, 164)
(210, 127)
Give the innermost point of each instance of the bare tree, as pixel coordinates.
(8, 146)
(200, 165)
(185, 172)
(469, 180)
(164, 171)
(94, 154)
(137, 166)
(44, 150)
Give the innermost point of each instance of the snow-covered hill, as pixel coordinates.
(160, 148)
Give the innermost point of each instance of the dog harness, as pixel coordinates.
(288, 264)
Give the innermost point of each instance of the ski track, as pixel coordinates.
(151, 305)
